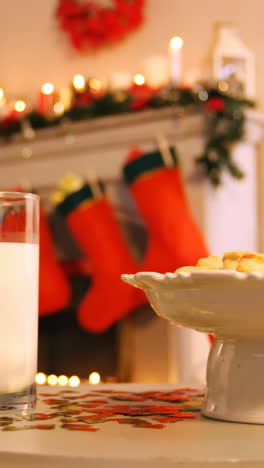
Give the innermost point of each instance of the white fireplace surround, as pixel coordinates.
(228, 215)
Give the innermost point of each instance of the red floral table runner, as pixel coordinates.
(87, 411)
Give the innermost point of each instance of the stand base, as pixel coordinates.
(235, 381)
(25, 400)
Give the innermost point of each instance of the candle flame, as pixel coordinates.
(47, 88)
(139, 79)
(20, 106)
(78, 82)
(176, 42)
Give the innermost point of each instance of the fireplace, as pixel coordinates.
(141, 347)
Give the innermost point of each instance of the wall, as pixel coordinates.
(33, 50)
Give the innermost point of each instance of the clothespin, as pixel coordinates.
(164, 149)
(92, 179)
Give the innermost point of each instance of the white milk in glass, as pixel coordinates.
(18, 315)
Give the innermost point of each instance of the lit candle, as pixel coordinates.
(79, 83)
(19, 109)
(175, 50)
(16, 111)
(140, 92)
(139, 80)
(46, 99)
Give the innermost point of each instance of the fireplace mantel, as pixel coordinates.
(228, 215)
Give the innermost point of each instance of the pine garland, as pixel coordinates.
(225, 119)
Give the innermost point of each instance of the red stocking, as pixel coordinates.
(93, 225)
(54, 290)
(173, 237)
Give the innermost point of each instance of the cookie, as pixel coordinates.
(231, 259)
(214, 262)
(187, 269)
(251, 262)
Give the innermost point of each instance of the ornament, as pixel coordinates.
(215, 104)
(91, 24)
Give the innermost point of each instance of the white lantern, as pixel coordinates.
(233, 60)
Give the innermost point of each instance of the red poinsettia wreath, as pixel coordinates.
(92, 24)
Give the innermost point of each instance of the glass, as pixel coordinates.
(19, 273)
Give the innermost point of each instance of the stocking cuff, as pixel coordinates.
(75, 199)
(146, 163)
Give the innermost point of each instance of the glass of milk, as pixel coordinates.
(19, 273)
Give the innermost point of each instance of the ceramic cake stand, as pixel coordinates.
(229, 305)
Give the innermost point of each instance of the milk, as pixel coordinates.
(19, 264)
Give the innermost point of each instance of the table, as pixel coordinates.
(129, 431)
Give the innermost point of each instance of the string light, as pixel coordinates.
(96, 84)
(223, 86)
(52, 379)
(20, 106)
(79, 82)
(203, 95)
(58, 108)
(47, 88)
(63, 380)
(74, 381)
(94, 378)
(139, 79)
(176, 42)
(41, 378)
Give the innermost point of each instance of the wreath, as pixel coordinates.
(90, 24)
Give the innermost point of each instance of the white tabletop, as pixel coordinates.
(190, 443)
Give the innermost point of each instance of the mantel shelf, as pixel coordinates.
(102, 133)
(113, 132)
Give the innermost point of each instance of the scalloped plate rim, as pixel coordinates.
(146, 279)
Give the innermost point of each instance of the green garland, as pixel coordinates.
(225, 119)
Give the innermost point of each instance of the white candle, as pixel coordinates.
(175, 49)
